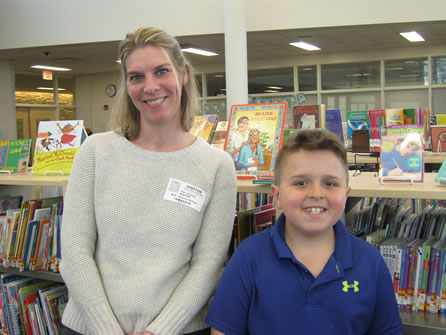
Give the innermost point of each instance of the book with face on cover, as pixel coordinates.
(255, 137)
(402, 153)
(438, 138)
(57, 143)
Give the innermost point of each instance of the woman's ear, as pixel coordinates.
(185, 75)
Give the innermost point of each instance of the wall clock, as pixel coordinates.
(110, 90)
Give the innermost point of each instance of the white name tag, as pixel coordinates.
(186, 194)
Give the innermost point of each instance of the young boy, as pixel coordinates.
(307, 274)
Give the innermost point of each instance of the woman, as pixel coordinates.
(251, 154)
(149, 208)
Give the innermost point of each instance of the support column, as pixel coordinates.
(236, 53)
(8, 128)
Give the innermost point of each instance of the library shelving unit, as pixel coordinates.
(366, 184)
(29, 185)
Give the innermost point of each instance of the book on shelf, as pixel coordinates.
(377, 120)
(441, 174)
(57, 143)
(219, 135)
(14, 155)
(8, 203)
(308, 116)
(204, 126)
(441, 119)
(333, 122)
(286, 133)
(356, 120)
(394, 116)
(438, 138)
(402, 154)
(255, 137)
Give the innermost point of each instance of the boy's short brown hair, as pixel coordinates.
(310, 140)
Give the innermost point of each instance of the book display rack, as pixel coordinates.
(365, 184)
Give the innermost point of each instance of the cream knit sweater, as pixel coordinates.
(132, 260)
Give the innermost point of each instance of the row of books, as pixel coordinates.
(57, 143)
(413, 246)
(31, 306)
(251, 221)
(30, 236)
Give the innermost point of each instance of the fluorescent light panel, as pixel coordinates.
(275, 87)
(305, 45)
(199, 52)
(50, 88)
(412, 36)
(53, 68)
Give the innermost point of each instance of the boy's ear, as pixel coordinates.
(276, 195)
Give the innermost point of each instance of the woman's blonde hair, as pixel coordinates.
(125, 119)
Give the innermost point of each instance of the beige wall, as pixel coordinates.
(26, 23)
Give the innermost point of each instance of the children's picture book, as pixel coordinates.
(286, 134)
(14, 155)
(204, 126)
(219, 136)
(309, 116)
(255, 137)
(441, 119)
(10, 202)
(377, 119)
(402, 155)
(356, 120)
(57, 143)
(438, 138)
(333, 122)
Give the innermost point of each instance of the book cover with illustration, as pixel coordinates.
(309, 116)
(219, 136)
(356, 120)
(333, 122)
(402, 153)
(204, 126)
(438, 138)
(14, 155)
(57, 143)
(255, 137)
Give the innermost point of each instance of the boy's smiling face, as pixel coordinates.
(312, 192)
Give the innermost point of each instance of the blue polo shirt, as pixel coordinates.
(266, 290)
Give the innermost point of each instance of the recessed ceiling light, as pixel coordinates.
(50, 89)
(412, 36)
(53, 68)
(271, 91)
(305, 45)
(199, 52)
(409, 75)
(275, 87)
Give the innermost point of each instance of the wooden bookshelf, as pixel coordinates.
(366, 184)
(429, 158)
(27, 180)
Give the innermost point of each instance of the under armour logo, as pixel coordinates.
(347, 286)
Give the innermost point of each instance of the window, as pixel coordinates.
(271, 81)
(439, 70)
(352, 101)
(216, 84)
(406, 72)
(307, 78)
(407, 98)
(348, 76)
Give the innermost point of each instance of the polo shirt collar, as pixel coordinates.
(343, 248)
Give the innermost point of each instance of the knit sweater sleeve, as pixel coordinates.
(78, 241)
(209, 254)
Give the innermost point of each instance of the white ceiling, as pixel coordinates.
(100, 57)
